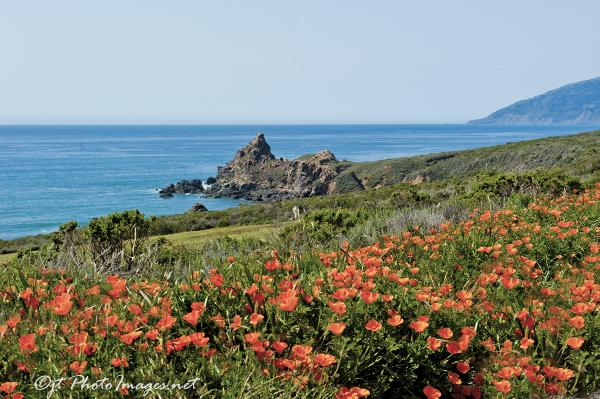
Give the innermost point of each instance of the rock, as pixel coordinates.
(256, 174)
(194, 186)
(198, 207)
(211, 180)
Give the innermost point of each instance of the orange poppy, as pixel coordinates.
(419, 326)
(575, 342)
(324, 360)
(336, 328)
(431, 392)
(27, 343)
(373, 325)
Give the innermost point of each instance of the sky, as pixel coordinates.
(281, 61)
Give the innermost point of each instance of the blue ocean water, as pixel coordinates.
(52, 174)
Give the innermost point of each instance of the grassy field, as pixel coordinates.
(195, 238)
(7, 257)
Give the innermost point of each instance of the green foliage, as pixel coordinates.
(320, 228)
(118, 237)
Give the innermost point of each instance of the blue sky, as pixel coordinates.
(283, 61)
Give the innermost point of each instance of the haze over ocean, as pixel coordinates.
(52, 174)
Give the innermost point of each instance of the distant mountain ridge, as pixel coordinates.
(572, 104)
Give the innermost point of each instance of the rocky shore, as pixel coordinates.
(194, 186)
(256, 174)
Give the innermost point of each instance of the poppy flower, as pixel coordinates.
(8, 387)
(78, 367)
(279, 346)
(373, 325)
(431, 392)
(27, 343)
(445, 333)
(419, 326)
(395, 320)
(369, 297)
(338, 308)
(502, 386)
(434, 343)
(336, 328)
(128, 339)
(192, 317)
(575, 342)
(526, 343)
(463, 367)
(256, 318)
(324, 360)
(61, 305)
(251, 337)
(236, 324)
(119, 362)
(454, 378)
(166, 322)
(352, 393)
(577, 321)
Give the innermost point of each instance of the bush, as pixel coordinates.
(117, 240)
(322, 228)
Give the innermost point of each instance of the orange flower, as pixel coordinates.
(236, 324)
(463, 367)
(434, 343)
(166, 322)
(419, 326)
(192, 317)
(119, 362)
(575, 342)
(256, 318)
(454, 378)
(279, 346)
(301, 351)
(78, 367)
(373, 325)
(152, 334)
(8, 387)
(578, 322)
(445, 333)
(61, 305)
(251, 337)
(431, 393)
(395, 320)
(526, 343)
(27, 343)
(336, 328)
(324, 360)
(338, 308)
(352, 393)
(128, 339)
(369, 297)
(502, 386)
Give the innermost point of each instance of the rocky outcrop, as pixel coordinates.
(194, 186)
(256, 174)
(198, 207)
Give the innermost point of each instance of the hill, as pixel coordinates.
(572, 104)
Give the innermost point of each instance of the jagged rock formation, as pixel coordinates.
(198, 207)
(194, 186)
(256, 174)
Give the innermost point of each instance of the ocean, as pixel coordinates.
(53, 174)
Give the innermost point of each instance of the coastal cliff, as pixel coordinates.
(256, 174)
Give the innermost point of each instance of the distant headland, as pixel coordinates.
(573, 104)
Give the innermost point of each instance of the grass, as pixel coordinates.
(195, 238)
(7, 257)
